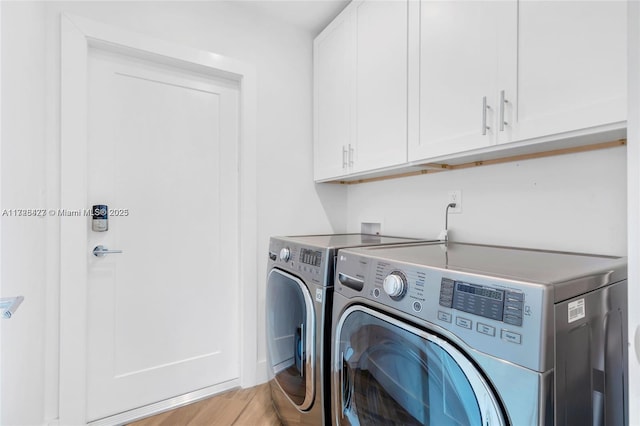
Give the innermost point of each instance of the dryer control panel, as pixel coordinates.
(309, 263)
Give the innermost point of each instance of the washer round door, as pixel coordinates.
(388, 372)
(291, 337)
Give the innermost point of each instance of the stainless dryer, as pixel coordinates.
(298, 306)
(464, 334)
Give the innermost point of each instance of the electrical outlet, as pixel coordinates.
(371, 228)
(455, 197)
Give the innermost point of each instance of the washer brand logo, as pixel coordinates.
(318, 295)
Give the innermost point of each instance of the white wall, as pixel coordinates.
(288, 201)
(633, 190)
(574, 202)
(23, 239)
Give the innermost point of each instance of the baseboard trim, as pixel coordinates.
(261, 372)
(166, 405)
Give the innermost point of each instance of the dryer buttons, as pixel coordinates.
(285, 254)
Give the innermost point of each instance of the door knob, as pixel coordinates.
(101, 251)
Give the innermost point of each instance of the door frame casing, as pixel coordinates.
(78, 35)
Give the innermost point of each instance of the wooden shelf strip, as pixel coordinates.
(441, 167)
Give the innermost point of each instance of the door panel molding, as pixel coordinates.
(78, 35)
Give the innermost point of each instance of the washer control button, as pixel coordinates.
(513, 319)
(513, 307)
(514, 296)
(512, 337)
(376, 292)
(417, 306)
(444, 316)
(395, 285)
(486, 329)
(464, 323)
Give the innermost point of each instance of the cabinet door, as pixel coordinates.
(381, 84)
(459, 49)
(571, 72)
(334, 54)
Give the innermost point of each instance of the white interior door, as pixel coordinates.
(162, 154)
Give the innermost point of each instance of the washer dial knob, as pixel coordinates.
(395, 285)
(285, 254)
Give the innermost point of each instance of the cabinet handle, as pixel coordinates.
(350, 156)
(485, 107)
(344, 156)
(503, 102)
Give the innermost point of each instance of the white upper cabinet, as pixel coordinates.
(333, 85)
(571, 67)
(399, 84)
(361, 90)
(460, 48)
(508, 71)
(381, 84)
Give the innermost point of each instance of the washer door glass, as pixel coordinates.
(394, 374)
(290, 336)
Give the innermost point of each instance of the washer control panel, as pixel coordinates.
(494, 303)
(493, 315)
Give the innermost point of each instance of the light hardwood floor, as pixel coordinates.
(242, 407)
